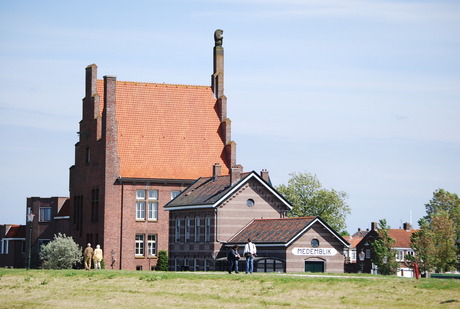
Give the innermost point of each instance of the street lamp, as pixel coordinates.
(361, 257)
(30, 219)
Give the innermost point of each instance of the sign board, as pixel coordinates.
(314, 251)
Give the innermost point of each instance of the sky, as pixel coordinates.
(363, 94)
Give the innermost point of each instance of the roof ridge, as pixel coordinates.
(290, 218)
(162, 84)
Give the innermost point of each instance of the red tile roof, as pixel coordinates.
(16, 231)
(353, 241)
(402, 237)
(167, 131)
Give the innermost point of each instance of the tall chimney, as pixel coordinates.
(217, 80)
(406, 226)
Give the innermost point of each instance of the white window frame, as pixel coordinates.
(153, 211)
(140, 210)
(139, 245)
(45, 214)
(152, 245)
(197, 229)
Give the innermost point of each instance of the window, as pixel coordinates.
(400, 255)
(250, 202)
(187, 230)
(151, 202)
(140, 210)
(95, 205)
(315, 243)
(139, 245)
(177, 230)
(153, 205)
(151, 245)
(196, 265)
(88, 156)
(368, 253)
(207, 232)
(174, 194)
(4, 246)
(140, 204)
(45, 214)
(197, 230)
(42, 242)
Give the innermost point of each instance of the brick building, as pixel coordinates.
(140, 144)
(12, 245)
(304, 244)
(205, 216)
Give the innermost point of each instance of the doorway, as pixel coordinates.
(314, 266)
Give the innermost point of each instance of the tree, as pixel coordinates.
(384, 256)
(450, 203)
(434, 243)
(308, 198)
(422, 242)
(60, 253)
(162, 263)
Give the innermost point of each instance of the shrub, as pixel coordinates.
(162, 263)
(60, 253)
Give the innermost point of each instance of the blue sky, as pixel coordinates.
(364, 94)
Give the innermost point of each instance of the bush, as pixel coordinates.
(162, 263)
(60, 253)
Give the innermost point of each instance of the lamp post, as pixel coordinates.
(361, 257)
(30, 219)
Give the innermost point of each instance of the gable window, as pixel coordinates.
(153, 205)
(177, 230)
(152, 245)
(140, 205)
(197, 229)
(139, 245)
(45, 214)
(207, 230)
(187, 230)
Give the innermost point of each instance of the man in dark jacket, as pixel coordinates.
(232, 258)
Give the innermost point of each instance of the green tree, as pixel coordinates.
(60, 253)
(384, 256)
(423, 244)
(162, 263)
(308, 198)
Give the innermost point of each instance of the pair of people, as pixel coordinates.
(233, 256)
(95, 255)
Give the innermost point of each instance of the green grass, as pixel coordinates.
(131, 289)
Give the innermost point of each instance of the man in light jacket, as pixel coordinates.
(250, 251)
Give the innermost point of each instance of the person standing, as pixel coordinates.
(250, 251)
(88, 255)
(97, 257)
(232, 257)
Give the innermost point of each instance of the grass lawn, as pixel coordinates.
(133, 289)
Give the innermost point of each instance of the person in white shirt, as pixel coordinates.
(250, 251)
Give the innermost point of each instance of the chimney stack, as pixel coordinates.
(216, 170)
(374, 226)
(235, 174)
(406, 226)
(264, 175)
(217, 81)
